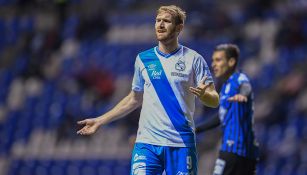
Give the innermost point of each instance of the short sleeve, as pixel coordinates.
(243, 79)
(202, 70)
(138, 81)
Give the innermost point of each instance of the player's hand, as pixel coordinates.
(90, 126)
(200, 90)
(238, 98)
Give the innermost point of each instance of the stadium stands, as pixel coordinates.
(52, 75)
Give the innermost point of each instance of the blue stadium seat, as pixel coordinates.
(40, 170)
(88, 170)
(14, 167)
(57, 170)
(284, 61)
(72, 170)
(69, 27)
(301, 170)
(103, 169)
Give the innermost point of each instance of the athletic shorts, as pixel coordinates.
(150, 159)
(232, 164)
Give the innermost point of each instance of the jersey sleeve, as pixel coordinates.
(138, 81)
(245, 87)
(243, 79)
(201, 70)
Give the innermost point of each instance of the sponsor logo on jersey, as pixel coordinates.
(152, 67)
(156, 74)
(139, 157)
(178, 74)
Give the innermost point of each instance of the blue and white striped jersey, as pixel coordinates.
(237, 119)
(168, 106)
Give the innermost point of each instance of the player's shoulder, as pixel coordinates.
(192, 54)
(188, 51)
(146, 53)
(242, 78)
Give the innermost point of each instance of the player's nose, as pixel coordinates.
(212, 64)
(161, 24)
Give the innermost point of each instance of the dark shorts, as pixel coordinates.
(232, 164)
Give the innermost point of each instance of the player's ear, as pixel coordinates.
(179, 28)
(232, 62)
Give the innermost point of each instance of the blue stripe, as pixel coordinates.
(230, 130)
(241, 127)
(250, 132)
(244, 117)
(236, 126)
(249, 127)
(228, 126)
(167, 96)
(236, 121)
(243, 124)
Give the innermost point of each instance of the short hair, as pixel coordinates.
(230, 50)
(178, 14)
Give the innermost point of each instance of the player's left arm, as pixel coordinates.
(205, 89)
(242, 96)
(206, 93)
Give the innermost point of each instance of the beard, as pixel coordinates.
(166, 36)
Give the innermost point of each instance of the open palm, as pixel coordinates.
(200, 90)
(90, 126)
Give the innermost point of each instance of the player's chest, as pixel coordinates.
(172, 70)
(229, 89)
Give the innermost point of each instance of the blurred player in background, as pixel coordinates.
(166, 80)
(239, 150)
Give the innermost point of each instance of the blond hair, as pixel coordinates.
(177, 13)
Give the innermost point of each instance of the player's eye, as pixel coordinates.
(167, 21)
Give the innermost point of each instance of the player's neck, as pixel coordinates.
(228, 75)
(168, 47)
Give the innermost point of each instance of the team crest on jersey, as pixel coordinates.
(230, 142)
(180, 65)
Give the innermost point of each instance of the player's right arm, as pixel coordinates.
(124, 107)
(242, 96)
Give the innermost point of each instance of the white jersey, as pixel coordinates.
(168, 105)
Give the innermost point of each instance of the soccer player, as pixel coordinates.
(167, 79)
(239, 150)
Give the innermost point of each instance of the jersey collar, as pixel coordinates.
(169, 54)
(235, 74)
